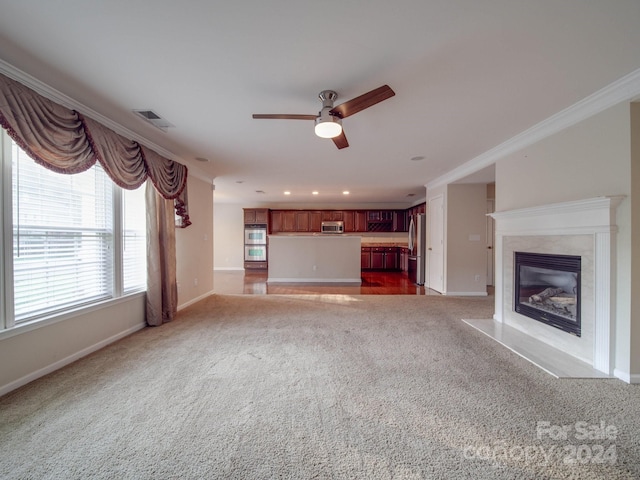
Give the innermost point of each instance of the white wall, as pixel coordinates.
(228, 236)
(589, 159)
(29, 354)
(466, 260)
(194, 246)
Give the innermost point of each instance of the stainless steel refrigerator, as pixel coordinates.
(417, 248)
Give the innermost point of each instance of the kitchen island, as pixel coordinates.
(314, 259)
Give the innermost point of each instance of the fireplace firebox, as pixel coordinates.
(547, 289)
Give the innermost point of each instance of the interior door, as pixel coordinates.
(435, 250)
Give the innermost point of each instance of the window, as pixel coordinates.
(76, 239)
(134, 240)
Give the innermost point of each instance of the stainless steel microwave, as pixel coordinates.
(332, 227)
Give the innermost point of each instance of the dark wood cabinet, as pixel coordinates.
(331, 215)
(275, 221)
(380, 258)
(315, 221)
(349, 219)
(256, 215)
(377, 258)
(391, 258)
(355, 221)
(302, 221)
(365, 258)
(360, 221)
(400, 223)
(289, 223)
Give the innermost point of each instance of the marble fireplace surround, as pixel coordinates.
(586, 228)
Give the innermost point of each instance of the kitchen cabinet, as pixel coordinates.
(275, 221)
(315, 220)
(365, 258)
(400, 223)
(391, 258)
(289, 221)
(256, 215)
(349, 221)
(360, 221)
(332, 215)
(302, 221)
(380, 258)
(355, 221)
(377, 258)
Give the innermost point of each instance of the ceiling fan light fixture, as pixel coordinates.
(327, 125)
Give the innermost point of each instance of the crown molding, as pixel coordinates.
(625, 89)
(66, 101)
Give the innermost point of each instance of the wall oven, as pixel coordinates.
(255, 234)
(255, 253)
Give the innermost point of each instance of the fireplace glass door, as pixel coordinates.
(547, 289)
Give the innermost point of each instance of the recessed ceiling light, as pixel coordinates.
(314, 193)
(346, 192)
(260, 191)
(239, 181)
(417, 159)
(202, 159)
(411, 194)
(287, 193)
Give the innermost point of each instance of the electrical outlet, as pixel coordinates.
(477, 278)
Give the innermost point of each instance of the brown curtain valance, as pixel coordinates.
(64, 141)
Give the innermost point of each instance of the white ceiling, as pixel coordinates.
(468, 76)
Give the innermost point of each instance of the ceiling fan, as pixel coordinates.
(329, 119)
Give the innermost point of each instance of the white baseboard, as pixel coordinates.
(626, 376)
(466, 294)
(228, 269)
(195, 300)
(4, 389)
(340, 281)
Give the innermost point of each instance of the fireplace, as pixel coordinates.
(547, 289)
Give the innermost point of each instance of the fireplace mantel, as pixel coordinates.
(595, 217)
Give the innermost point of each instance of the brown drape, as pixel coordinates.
(162, 290)
(64, 141)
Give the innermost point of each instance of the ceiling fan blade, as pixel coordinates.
(341, 141)
(283, 116)
(366, 100)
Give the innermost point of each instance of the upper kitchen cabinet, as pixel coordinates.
(349, 219)
(360, 220)
(256, 215)
(276, 221)
(315, 220)
(332, 215)
(303, 221)
(400, 223)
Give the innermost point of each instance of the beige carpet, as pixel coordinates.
(326, 387)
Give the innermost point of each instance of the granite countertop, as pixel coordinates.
(367, 243)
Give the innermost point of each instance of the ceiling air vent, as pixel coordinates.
(154, 119)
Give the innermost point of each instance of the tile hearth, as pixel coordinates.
(549, 359)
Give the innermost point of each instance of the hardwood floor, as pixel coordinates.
(373, 283)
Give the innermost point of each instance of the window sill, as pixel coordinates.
(61, 317)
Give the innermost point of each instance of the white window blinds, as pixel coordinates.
(62, 237)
